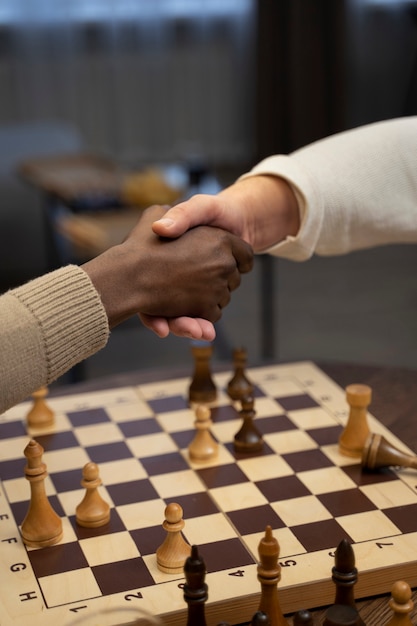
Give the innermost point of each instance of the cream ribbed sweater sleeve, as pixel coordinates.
(47, 326)
(356, 189)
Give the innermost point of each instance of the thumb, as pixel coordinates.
(199, 210)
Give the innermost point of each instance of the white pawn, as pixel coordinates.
(40, 414)
(401, 603)
(173, 552)
(203, 447)
(92, 511)
(356, 432)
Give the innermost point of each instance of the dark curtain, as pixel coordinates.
(301, 72)
(299, 98)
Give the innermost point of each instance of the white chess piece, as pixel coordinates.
(203, 447)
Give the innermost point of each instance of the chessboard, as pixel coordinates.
(299, 484)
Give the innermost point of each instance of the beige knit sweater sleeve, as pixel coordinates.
(47, 326)
(356, 189)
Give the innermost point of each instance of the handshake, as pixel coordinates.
(179, 284)
(178, 267)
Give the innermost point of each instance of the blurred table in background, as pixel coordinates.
(90, 202)
(91, 234)
(73, 176)
(63, 180)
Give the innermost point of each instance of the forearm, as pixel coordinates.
(48, 325)
(355, 190)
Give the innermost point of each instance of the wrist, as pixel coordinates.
(270, 208)
(109, 273)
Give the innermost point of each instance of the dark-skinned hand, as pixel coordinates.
(191, 276)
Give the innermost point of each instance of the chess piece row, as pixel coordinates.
(202, 389)
(356, 440)
(42, 527)
(247, 440)
(202, 392)
(269, 574)
(344, 575)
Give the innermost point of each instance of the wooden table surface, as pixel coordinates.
(394, 403)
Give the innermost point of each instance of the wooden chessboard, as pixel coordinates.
(299, 484)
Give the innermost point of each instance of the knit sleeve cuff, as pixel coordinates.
(70, 315)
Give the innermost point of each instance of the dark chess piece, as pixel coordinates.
(239, 386)
(248, 438)
(342, 615)
(195, 588)
(303, 618)
(260, 619)
(379, 453)
(344, 576)
(202, 389)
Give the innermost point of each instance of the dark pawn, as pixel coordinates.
(202, 389)
(239, 386)
(260, 619)
(345, 576)
(342, 615)
(248, 438)
(303, 618)
(195, 589)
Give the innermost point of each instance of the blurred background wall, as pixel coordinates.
(140, 82)
(325, 67)
(221, 83)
